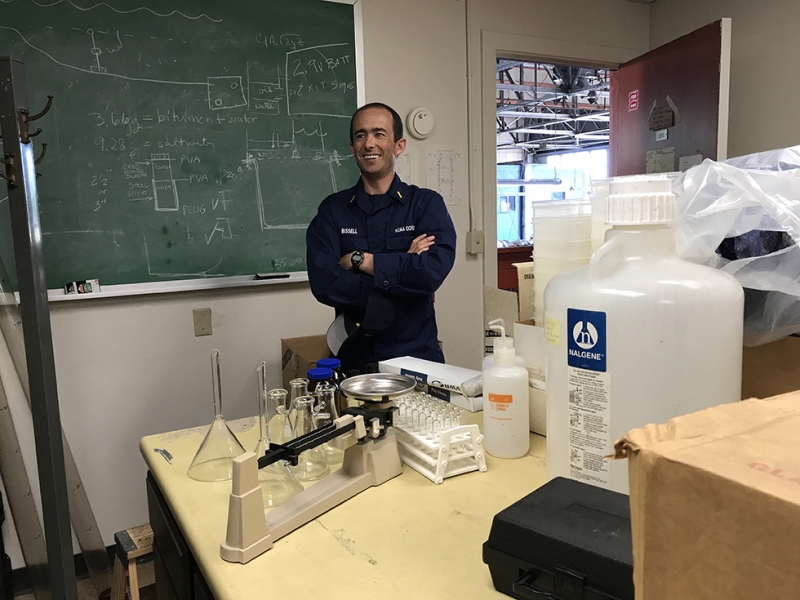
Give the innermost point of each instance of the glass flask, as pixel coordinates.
(326, 412)
(335, 365)
(311, 464)
(279, 416)
(214, 458)
(277, 481)
(317, 376)
(297, 387)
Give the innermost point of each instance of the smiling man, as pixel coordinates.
(378, 251)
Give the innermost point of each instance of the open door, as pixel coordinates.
(669, 107)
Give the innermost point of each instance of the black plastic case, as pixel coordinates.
(567, 540)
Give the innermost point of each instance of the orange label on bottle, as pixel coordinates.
(501, 398)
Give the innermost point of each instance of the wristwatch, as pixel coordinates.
(356, 258)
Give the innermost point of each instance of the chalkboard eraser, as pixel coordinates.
(271, 276)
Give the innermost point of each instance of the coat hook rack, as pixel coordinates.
(25, 118)
(41, 156)
(10, 176)
(26, 234)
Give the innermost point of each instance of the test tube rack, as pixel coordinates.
(434, 446)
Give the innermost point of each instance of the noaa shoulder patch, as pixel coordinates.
(586, 339)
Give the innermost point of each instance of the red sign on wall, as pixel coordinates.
(633, 100)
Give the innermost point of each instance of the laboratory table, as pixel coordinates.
(408, 538)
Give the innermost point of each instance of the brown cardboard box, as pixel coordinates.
(771, 369)
(300, 354)
(715, 503)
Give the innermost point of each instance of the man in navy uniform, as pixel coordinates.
(378, 251)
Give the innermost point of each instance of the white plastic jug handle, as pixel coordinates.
(604, 259)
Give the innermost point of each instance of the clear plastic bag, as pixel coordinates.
(743, 216)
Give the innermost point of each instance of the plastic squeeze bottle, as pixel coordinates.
(505, 401)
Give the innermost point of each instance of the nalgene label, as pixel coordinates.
(586, 339)
(589, 385)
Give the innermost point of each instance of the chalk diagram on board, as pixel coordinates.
(281, 100)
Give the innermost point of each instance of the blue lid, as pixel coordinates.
(329, 363)
(319, 374)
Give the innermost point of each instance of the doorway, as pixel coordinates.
(662, 111)
(552, 142)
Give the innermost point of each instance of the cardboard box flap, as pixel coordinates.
(711, 424)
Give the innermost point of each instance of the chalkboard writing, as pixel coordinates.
(188, 139)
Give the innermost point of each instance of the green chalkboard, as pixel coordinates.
(188, 138)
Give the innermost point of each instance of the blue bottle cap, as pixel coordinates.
(319, 374)
(329, 363)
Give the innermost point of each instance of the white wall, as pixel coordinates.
(132, 367)
(764, 50)
(415, 55)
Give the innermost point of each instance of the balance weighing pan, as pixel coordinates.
(377, 387)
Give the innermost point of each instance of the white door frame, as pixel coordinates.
(482, 109)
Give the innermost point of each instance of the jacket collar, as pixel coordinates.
(398, 191)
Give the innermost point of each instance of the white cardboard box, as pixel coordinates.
(529, 342)
(439, 380)
(525, 287)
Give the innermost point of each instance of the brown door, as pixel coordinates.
(669, 107)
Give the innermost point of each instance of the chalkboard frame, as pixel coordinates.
(239, 281)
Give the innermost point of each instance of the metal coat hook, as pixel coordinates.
(41, 156)
(10, 175)
(44, 111)
(25, 118)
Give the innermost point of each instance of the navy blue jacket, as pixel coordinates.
(404, 283)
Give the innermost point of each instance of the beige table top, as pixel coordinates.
(408, 538)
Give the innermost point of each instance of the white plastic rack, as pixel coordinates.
(435, 440)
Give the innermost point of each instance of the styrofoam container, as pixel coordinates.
(561, 209)
(579, 228)
(562, 248)
(551, 265)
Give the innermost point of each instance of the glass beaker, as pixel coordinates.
(311, 464)
(214, 458)
(326, 412)
(277, 481)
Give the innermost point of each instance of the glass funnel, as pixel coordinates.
(325, 411)
(311, 464)
(214, 458)
(277, 482)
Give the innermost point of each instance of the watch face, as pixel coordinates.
(356, 259)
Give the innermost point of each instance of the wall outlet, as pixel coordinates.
(202, 321)
(475, 242)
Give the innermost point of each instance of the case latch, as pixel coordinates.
(569, 586)
(563, 585)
